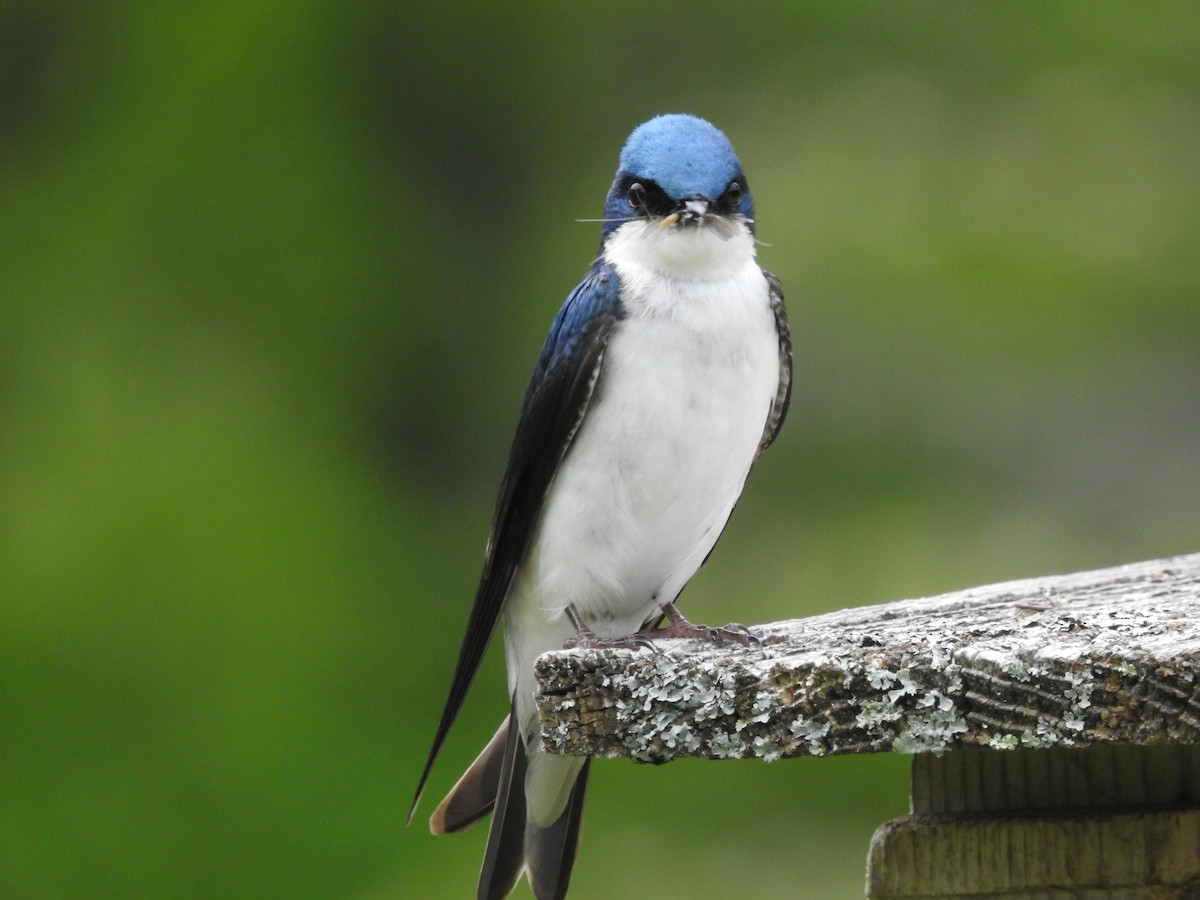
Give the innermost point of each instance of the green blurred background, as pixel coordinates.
(274, 273)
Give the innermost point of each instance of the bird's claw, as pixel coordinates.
(586, 639)
(591, 642)
(678, 628)
(739, 633)
(684, 629)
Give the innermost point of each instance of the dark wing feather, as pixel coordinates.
(783, 394)
(554, 405)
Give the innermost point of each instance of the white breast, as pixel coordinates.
(687, 384)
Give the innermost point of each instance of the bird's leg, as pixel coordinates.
(682, 628)
(586, 639)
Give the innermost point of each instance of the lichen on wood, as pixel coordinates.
(1063, 661)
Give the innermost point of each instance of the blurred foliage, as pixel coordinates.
(274, 275)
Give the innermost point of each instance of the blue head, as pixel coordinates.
(680, 171)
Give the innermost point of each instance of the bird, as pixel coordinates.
(665, 375)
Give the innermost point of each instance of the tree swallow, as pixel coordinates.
(665, 375)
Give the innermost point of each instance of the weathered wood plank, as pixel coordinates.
(1109, 656)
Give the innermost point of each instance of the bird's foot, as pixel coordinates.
(586, 639)
(680, 627)
(592, 642)
(739, 634)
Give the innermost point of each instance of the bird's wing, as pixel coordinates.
(554, 406)
(783, 394)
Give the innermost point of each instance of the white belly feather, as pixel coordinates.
(658, 464)
(688, 380)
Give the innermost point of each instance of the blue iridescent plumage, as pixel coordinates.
(597, 296)
(685, 157)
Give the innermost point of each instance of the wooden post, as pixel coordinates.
(1109, 820)
(1055, 724)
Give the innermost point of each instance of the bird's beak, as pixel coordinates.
(691, 211)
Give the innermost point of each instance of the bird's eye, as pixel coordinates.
(636, 195)
(733, 194)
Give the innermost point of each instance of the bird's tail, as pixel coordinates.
(495, 782)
